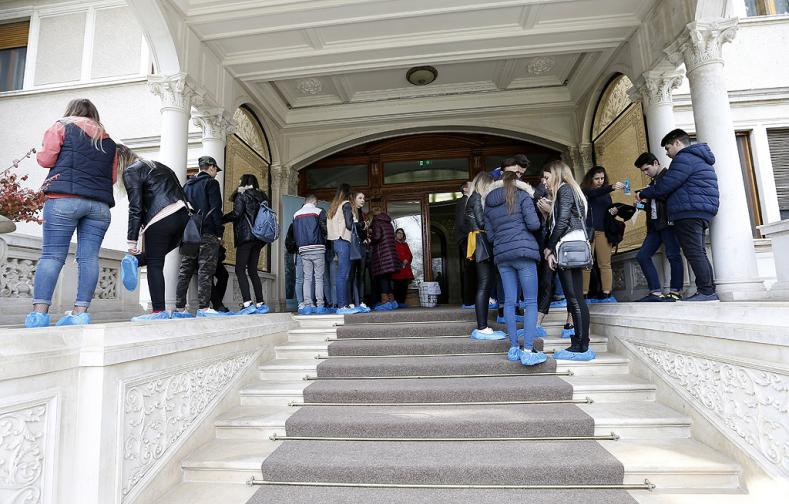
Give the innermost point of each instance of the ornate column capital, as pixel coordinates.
(277, 171)
(586, 155)
(655, 87)
(575, 157)
(701, 43)
(293, 181)
(175, 91)
(214, 123)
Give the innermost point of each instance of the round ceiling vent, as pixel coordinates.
(421, 75)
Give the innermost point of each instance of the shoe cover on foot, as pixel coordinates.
(247, 310)
(529, 358)
(514, 354)
(381, 307)
(162, 315)
(559, 304)
(181, 314)
(262, 309)
(211, 313)
(568, 332)
(71, 319)
(541, 332)
(481, 335)
(306, 310)
(320, 310)
(468, 306)
(574, 356)
(347, 310)
(130, 272)
(36, 319)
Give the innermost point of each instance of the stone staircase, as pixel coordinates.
(654, 442)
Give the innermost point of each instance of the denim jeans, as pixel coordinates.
(690, 235)
(90, 218)
(300, 281)
(329, 277)
(651, 245)
(343, 250)
(523, 273)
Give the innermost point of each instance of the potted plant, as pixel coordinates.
(17, 203)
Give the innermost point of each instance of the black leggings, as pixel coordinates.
(545, 289)
(161, 237)
(400, 290)
(356, 279)
(573, 285)
(384, 283)
(247, 257)
(485, 277)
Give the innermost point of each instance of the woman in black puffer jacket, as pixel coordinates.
(246, 203)
(568, 221)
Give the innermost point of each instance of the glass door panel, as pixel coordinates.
(407, 214)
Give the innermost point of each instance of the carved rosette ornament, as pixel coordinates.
(214, 124)
(702, 43)
(655, 88)
(175, 91)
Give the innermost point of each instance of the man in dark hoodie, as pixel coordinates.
(204, 196)
(690, 189)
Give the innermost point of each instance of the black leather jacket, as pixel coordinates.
(150, 189)
(567, 217)
(475, 216)
(245, 208)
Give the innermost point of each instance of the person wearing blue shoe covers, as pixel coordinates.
(309, 231)
(567, 251)
(161, 315)
(157, 218)
(510, 220)
(479, 253)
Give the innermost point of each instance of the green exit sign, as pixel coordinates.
(425, 163)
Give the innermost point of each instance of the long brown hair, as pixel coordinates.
(340, 197)
(357, 212)
(510, 190)
(82, 107)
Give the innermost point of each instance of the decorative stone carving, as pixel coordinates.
(655, 88)
(214, 124)
(16, 278)
(309, 87)
(702, 43)
(23, 437)
(159, 410)
(541, 65)
(619, 277)
(249, 130)
(613, 102)
(293, 181)
(175, 92)
(107, 288)
(587, 161)
(746, 403)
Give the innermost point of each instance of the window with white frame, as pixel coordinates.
(13, 53)
(766, 7)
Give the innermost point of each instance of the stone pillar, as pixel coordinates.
(176, 95)
(278, 173)
(700, 48)
(586, 156)
(654, 89)
(575, 158)
(215, 128)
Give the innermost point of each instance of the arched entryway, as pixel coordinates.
(416, 179)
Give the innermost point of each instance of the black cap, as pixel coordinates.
(206, 161)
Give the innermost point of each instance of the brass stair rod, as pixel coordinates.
(586, 400)
(428, 377)
(394, 356)
(605, 437)
(646, 485)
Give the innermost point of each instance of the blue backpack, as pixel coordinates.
(266, 226)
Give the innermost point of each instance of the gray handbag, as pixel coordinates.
(573, 250)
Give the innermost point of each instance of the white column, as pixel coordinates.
(654, 89)
(700, 48)
(278, 179)
(215, 128)
(176, 96)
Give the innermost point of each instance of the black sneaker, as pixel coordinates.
(703, 297)
(673, 296)
(653, 298)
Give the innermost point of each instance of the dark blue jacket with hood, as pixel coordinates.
(511, 233)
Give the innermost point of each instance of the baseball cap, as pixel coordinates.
(204, 161)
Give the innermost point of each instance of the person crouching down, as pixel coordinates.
(510, 219)
(309, 229)
(158, 215)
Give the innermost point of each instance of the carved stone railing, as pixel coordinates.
(19, 255)
(105, 413)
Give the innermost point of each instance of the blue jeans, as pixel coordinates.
(521, 272)
(651, 245)
(299, 280)
(329, 277)
(343, 250)
(62, 216)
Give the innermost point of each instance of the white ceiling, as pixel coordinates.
(335, 52)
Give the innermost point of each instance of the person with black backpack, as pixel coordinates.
(659, 232)
(205, 198)
(246, 201)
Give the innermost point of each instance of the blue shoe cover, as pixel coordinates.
(130, 272)
(529, 358)
(162, 315)
(181, 314)
(468, 306)
(306, 310)
(501, 320)
(568, 333)
(400, 306)
(495, 335)
(209, 313)
(262, 309)
(320, 310)
(363, 308)
(347, 310)
(541, 332)
(36, 319)
(514, 354)
(492, 306)
(382, 307)
(609, 299)
(574, 356)
(393, 305)
(559, 304)
(83, 318)
(247, 310)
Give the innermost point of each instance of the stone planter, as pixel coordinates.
(6, 225)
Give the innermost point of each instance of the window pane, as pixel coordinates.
(424, 170)
(12, 68)
(332, 176)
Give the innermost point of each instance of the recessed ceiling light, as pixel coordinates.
(421, 75)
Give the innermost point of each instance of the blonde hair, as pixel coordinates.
(481, 183)
(561, 174)
(126, 158)
(82, 107)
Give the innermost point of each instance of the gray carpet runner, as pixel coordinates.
(378, 460)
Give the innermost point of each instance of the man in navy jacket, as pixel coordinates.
(690, 189)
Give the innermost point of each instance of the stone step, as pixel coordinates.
(638, 420)
(272, 393)
(318, 321)
(670, 464)
(735, 496)
(611, 388)
(301, 350)
(208, 493)
(311, 334)
(253, 422)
